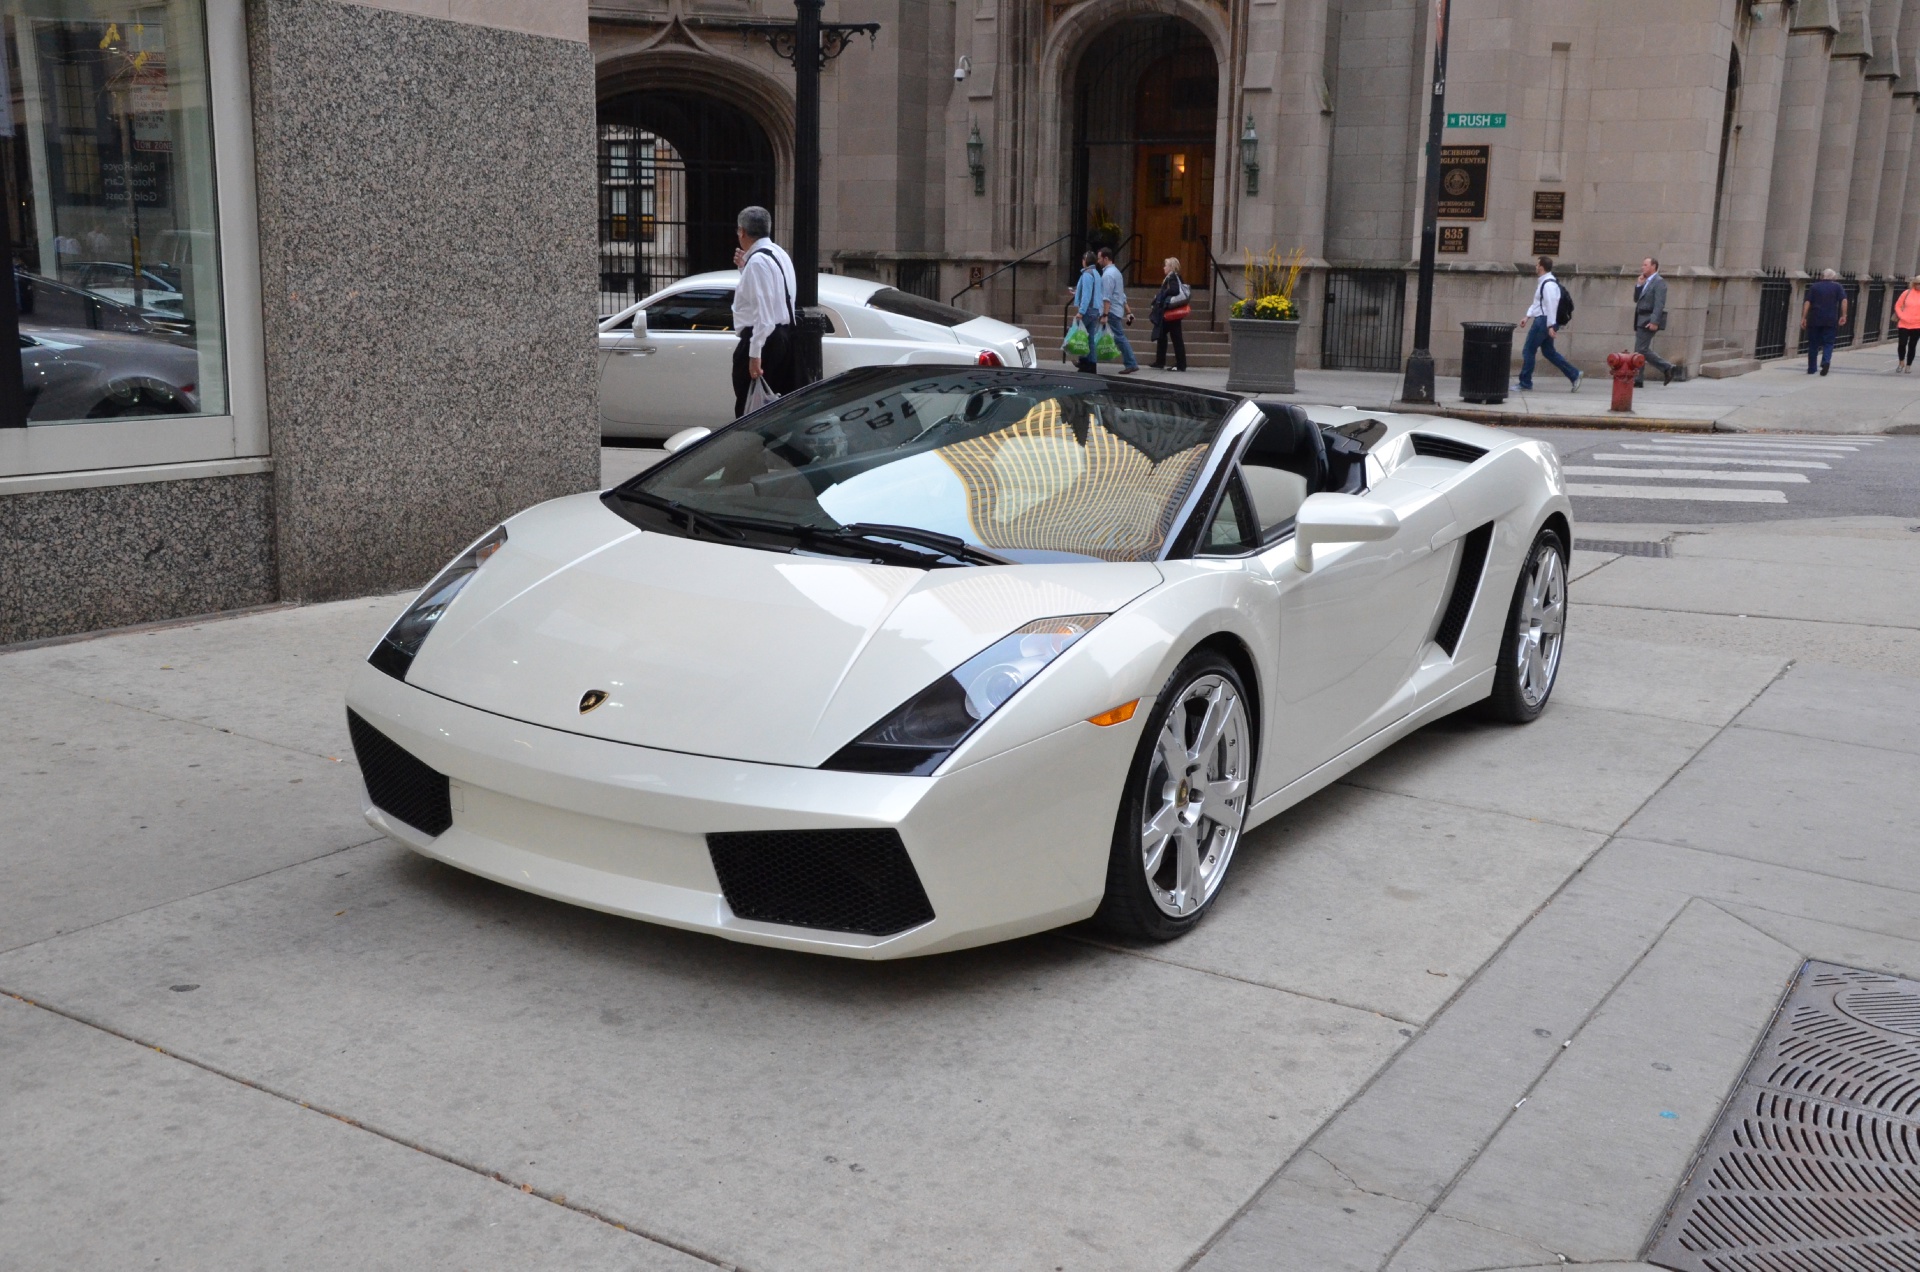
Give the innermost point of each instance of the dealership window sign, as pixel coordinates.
(1463, 182)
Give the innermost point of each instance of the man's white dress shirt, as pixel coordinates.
(764, 299)
(1546, 301)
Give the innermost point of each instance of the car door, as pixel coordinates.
(679, 374)
(1351, 631)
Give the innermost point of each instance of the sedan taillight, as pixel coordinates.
(988, 358)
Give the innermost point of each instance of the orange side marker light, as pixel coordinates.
(1119, 715)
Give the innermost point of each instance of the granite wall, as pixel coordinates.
(428, 278)
(108, 556)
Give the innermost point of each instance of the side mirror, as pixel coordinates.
(685, 438)
(1330, 518)
(639, 323)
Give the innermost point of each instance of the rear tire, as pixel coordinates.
(1185, 803)
(1531, 641)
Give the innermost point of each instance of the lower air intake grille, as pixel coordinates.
(1466, 586)
(1815, 1162)
(400, 785)
(835, 880)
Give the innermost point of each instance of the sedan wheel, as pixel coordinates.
(1536, 627)
(1189, 789)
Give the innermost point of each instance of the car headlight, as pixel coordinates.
(396, 650)
(915, 738)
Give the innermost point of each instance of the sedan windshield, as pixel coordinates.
(1017, 466)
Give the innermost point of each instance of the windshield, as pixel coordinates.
(1030, 466)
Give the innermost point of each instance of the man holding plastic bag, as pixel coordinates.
(763, 314)
(1086, 303)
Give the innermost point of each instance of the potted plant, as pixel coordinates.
(1265, 326)
(1102, 229)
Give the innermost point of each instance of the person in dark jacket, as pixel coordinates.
(1821, 317)
(1173, 295)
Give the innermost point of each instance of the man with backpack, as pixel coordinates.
(1551, 310)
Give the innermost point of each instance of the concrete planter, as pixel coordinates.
(1262, 356)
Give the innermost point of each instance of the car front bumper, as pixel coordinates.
(1014, 844)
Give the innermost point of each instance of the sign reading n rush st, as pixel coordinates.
(1463, 182)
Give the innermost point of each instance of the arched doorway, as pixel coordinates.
(1144, 128)
(675, 169)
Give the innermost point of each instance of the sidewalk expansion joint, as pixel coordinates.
(553, 1198)
(198, 724)
(1753, 618)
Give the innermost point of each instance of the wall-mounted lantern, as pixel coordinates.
(977, 160)
(1250, 156)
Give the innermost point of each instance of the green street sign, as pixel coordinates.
(1476, 121)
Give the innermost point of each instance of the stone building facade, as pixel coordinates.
(1744, 144)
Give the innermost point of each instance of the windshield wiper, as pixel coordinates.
(822, 539)
(688, 517)
(946, 544)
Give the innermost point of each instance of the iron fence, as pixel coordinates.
(663, 215)
(1851, 330)
(1876, 308)
(1364, 312)
(1776, 303)
(921, 278)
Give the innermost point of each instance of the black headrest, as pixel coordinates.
(1290, 440)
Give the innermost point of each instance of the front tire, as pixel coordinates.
(1185, 803)
(1536, 628)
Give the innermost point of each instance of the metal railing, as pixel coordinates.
(1776, 304)
(1215, 283)
(1876, 308)
(984, 279)
(1847, 333)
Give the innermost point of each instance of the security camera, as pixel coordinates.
(963, 68)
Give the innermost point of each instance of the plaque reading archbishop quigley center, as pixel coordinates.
(1463, 182)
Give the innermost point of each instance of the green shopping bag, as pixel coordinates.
(1077, 342)
(1106, 348)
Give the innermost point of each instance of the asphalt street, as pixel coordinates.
(1694, 478)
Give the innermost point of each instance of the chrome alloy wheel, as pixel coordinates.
(1195, 799)
(1542, 621)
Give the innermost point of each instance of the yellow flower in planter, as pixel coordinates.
(1273, 308)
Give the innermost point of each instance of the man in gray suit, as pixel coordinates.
(1650, 316)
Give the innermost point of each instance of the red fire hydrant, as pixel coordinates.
(1626, 369)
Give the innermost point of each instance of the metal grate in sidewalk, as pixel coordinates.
(1626, 547)
(1814, 1165)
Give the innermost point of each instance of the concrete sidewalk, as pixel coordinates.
(1473, 1008)
(1862, 395)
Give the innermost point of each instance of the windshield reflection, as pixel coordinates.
(1032, 466)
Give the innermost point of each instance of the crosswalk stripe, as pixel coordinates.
(1702, 494)
(1772, 452)
(1685, 474)
(1665, 457)
(1724, 439)
(1762, 447)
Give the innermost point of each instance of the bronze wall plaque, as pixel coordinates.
(1454, 238)
(1546, 242)
(1463, 182)
(1549, 205)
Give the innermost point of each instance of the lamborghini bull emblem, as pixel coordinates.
(591, 699)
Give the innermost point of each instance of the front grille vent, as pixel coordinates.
(835, 880)
(1815, 1161)
(1446, 448)
(1466, 586)
(399, 784)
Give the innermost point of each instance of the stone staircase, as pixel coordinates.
(1204, 348)
(1722, 360)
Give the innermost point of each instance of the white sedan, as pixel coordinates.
(666, 362)
(921, 658)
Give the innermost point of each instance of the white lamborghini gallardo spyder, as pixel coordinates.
(921, 658)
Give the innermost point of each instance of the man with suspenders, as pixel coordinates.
(763, 311)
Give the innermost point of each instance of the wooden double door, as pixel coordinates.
(1173, 209)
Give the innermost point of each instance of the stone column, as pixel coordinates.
(1886, 259)
(1870, 145)
(1906, 101)
(1796, 147)
(1750, 175)
(414, 399)
(1839, 138)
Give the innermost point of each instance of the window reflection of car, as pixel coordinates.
(160, 285)
(666, 362)
(74, 373)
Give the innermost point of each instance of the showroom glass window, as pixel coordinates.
(110, 213)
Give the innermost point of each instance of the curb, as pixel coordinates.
(1523, 419)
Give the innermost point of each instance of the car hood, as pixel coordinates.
(724, 651)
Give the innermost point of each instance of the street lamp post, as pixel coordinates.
(806, 188)
(1418, 386)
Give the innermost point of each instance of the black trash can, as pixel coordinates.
(1486, 359)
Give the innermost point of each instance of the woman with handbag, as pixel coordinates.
(1172, 305)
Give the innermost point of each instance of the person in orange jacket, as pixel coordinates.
(1906, 317)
